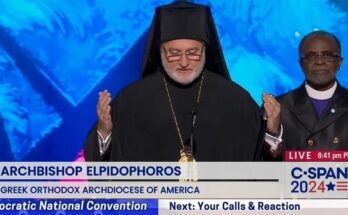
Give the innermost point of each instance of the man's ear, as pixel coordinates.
(300, 63)
(339, 63)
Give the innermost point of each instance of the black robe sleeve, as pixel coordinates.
(91, 148)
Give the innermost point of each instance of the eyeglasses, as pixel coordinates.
(191, 54)
(326, 55)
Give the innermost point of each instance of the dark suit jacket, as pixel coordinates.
(304, 130)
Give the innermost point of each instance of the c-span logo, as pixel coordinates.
(319, 179)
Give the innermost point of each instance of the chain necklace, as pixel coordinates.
(185, 153)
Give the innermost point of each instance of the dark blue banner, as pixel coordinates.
(78, 206)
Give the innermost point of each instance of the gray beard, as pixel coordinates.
(196, 72)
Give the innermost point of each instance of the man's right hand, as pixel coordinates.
(272, 108)
(104, 115)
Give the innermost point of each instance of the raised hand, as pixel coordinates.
(104, 115)
(272, 109)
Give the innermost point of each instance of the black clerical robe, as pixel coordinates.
(227, 126)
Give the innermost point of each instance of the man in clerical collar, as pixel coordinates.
(315, 115)
(185, 107)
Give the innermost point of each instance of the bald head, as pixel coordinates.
(319, 33)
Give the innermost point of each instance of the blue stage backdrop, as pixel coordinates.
(55, 55)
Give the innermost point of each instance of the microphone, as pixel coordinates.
(191, 143)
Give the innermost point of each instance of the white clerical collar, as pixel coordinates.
(320, 95)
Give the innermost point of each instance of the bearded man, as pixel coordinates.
(185, 106)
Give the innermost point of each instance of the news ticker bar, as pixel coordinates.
(198, 180)
(172, 206)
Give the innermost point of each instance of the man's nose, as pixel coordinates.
(184, 62)
(320, 59)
